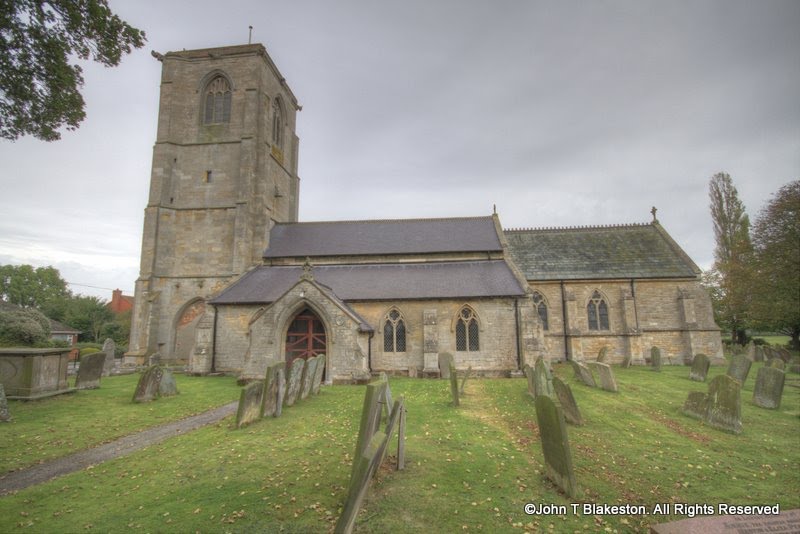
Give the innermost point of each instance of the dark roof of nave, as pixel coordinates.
(382, 237)
(627, 251)
(399, 281)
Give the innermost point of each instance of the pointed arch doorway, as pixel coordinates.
(305, 337)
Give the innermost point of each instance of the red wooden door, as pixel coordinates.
(306, 336)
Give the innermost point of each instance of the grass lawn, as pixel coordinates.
(467, 468)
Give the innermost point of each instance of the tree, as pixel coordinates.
(39, 89)
(88, 314)
(776, 238)
(21, 326)
(733, 254)
(41, 288)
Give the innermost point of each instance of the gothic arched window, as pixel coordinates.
(394, 333)
(597, 312)
(277, 123)
(467, 336)
(217, 103)
(541, 307)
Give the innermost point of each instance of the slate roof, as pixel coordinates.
(629, 251)
(401, 281)
(402, 236)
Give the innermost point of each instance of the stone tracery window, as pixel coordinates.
(467, 335)
(541, 308)
(217, 105)
(394, 332)
(277, 123)
(597, 312)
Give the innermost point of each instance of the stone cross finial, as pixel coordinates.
(653, 211)
(307, 270)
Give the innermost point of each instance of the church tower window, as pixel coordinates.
(467, 335)
(597, 312)
(541, 308)
(277, 123)
(394, 333)
(217, 101)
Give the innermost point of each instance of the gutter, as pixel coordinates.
(516, 332)
(564, 320)
(214, 341)
(369, 351)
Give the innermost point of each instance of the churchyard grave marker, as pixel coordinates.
(148, 385)
(607, 380)
(371, 413)
(5, 415)
(464, 380)
(90, 371)
(542, 378)
(696, 405)
(454, 384)
(700, 366)
(758, 353)
(769, 387)
(318, 374)
(308, 377)
(167, 387)
(528, 370)
(110, 349)
(739, 367)
(555, 445)
(567, 401)
(721, 408)
(777, 363)
(655, 358)
(602, 355)
(626, 360)
(274, 390)
(250, 402)
(584, 374)
(293, 382)
(445, 359)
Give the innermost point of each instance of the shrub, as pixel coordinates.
(27, 327)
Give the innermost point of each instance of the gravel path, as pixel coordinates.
(17, 480)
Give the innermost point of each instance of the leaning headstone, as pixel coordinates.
(528, 370)
(293, 381)
(607, 380)
(777, 363)
(167, 387)
(5, 416)
(318, 374)
(584, 374)
(602, 355)
(700, 366)
(370, 415)
(769, 387)
(454, 384)
(567, 401)
(655, 358)
(250, 404)
(543, 380)
(555, 445)
(739, 367)
(308, 377)
(274, 389)
(696, 405)
(725, 404)
(147, 387)
(758, 353)
(90, 371)
(464, 380)
(750, 351)
(110, 349)
(445, 359)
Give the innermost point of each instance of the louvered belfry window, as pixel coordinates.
(597, 312)
(394, 333)
(467, 331)
(217, 101)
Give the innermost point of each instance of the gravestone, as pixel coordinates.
(274, 390)
(784, 354)
(607, 380)
(655, 358)
(584, 374)
(5, 416)
(567, 401)
(758, 353)
(90, 371)
(528, 370)
(602, 355)
(700, 366)
(370, 415)
(308, 377)
(464, 380)
(250, 401)
(293, 381)
(626, 360)
(555, 445)
(167, 386)
(725, 404)
(696, 405)
(543, 380)
(147, 388)
(110, 350)
(318, 374)
(454, 384)
(739, 367)
(445, 359)
(750, 351)
(769, 387)
(777, 363)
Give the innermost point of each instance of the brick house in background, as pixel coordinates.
(120, 303)
(62, 332)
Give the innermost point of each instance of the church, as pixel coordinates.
(230, 281)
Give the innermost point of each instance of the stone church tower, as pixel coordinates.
(224, 170)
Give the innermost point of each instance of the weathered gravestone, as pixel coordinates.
(584, 374)
(626, 360)
(739, 367)
(696, 405)
(725, 404)
(90, 371)
(555, 445)
(758, 353)
(454, 384)
(318, 374)
(445, 359)
(777, 363)
(567, 401)
(167, 387)
(769, 387)
(5, 416)
(602, 355)
(607, 380)
(543, 380)
(655, 358)
(274, 390)
(464, 380)
(308, 377)
(110, 349)
(374, 398)
(148, 386)
(250, 401)
(293, 381)
(528, 370)
(700, 366)
(784, 354)
(750, 351)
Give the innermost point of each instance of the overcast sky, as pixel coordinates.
(560, 113)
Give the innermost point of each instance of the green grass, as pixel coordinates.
(467, 468)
